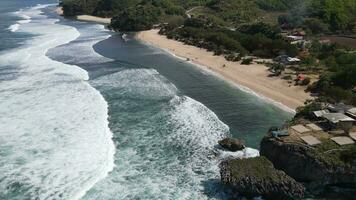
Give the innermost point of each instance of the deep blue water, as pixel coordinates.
(87, 114)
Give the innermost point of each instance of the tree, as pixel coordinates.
(316, 26)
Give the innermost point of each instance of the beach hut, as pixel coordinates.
(294, 37)
(339, 120)
(320, 113)
(285, 59)
(353, 135)
(339, 108)
(279, 133)
(351, 112)
(293, 61)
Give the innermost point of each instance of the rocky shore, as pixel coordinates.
(289, 169)
(316, 167)
(257, 176)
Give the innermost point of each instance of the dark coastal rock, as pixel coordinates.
(232, 144)
(325, 164)
(257, 177)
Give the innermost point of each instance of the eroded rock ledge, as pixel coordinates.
(326, 164)
(257, 176)
(289, 168)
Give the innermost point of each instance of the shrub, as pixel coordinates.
(276, 68)
(306, 81)
(287, 77)
(246, 61)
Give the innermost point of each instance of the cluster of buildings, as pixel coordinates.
(338, 116)
(336, 122)
(296, 38)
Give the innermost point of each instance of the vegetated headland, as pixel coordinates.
(288, 51)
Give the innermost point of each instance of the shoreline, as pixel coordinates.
(86, 18)
(249, 78)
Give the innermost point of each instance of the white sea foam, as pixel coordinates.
(26, 20)
(14, 27)
(171, 152)
(140, 82)
(90, 35)
(55, 140)
(125, 37)
(245, 153)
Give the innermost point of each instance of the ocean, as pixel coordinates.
(86, 113)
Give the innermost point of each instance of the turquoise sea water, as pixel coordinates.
(86, 113)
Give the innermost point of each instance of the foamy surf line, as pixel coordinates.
(14, 27)
(39, 62)
(25, 20)
(230, 82)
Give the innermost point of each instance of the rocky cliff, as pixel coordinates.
(325, 164)
(257, 177)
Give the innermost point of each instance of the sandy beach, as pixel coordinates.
(87, 18)
(254, 76)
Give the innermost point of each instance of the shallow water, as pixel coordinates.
(165, 115)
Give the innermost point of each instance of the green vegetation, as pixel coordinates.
(139, 18)
(338, 82)
(335, 155)
(276, 68)
(258, 39)
(246, 61)
(130, 15)
(315, 15)
(259, 167)
(236, 28)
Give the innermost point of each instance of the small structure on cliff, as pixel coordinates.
(338, 108)
(353, 135)
(351, 112)
(280, 133)
(339, 116)
(339, 120)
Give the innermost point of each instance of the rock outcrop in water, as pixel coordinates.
(257, 177)
(232, 144)
(326, 164)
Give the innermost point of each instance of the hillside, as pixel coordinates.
(314, 14)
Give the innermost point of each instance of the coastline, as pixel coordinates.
(253, 78)
(249, 78)
(87, 18)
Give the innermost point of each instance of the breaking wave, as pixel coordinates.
(55, 140)
(166, 141)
